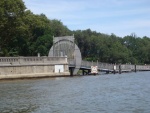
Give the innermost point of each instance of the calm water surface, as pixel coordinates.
(119, 93)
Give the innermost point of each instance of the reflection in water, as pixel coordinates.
(125, 93)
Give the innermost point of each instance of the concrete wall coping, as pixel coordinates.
(14, 61)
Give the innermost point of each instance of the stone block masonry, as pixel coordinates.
(29, 67)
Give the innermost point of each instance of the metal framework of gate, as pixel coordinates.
(65, 46)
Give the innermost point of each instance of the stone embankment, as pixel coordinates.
(29, 67)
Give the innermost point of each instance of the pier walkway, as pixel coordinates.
(109, 68)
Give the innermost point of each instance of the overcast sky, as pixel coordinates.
(121, 17)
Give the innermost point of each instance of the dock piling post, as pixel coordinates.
(135, 68)
(82, 71)
(120, 69)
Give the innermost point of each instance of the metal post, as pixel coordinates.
(82, 71)
(89, 71)
(135, 68)
(120, 69)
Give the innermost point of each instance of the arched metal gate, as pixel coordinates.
(65, 46)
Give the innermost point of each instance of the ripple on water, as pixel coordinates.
(125, 93)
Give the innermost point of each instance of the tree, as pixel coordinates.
(58, 28)
(43, 44)
(11, 24)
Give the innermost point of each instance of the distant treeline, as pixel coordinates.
(23, 33)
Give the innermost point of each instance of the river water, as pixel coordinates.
(109, 93)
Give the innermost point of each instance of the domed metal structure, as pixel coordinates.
(65, 46)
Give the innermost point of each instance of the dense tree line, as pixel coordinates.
(113, 49)
(23, 33)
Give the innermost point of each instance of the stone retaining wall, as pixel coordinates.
(26, 67)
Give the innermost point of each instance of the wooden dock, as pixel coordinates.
(111, 68)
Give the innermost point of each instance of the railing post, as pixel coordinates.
(20, 60)
(44, 59)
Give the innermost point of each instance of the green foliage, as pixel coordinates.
(11, 23)
(43, 44)
(58, 28)
(110, 48)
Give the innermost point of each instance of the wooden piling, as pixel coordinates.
(135, 68)
(120, 71)
(82, 71)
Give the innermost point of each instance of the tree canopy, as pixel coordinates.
(23, 33)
